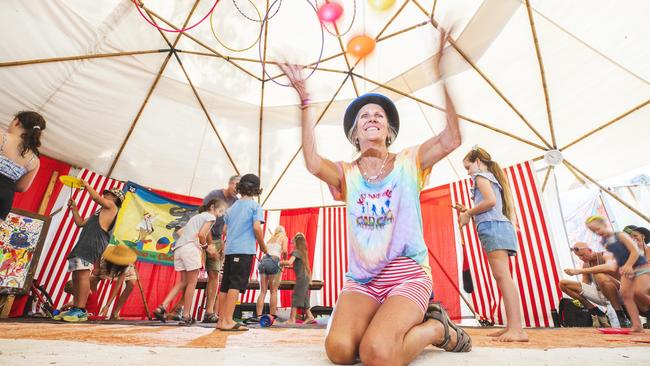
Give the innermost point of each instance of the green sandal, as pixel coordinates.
(463, 343)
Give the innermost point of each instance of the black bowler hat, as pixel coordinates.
(370, 98)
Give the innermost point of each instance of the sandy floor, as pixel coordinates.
(48, 344)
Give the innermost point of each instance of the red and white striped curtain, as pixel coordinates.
(534, 269)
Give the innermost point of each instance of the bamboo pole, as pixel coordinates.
(151, 89)
(48, 193)
(197, 41)
(391, 20)
(541, 72)
(548, 174)
(207, 115)
(421, 24)
(79, 57)
(137, 116)
(612, 194)
(487, 79)
(607, 124)
(470, 120)
(433, 9)
(284, 171)
(144, 299)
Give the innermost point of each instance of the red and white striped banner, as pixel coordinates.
(335, 252)
(534, 269)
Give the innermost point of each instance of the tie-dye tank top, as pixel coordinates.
(384, 217)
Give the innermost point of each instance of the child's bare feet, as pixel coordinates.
(498, 332)
(513, 336)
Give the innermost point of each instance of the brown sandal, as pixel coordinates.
(463, 340)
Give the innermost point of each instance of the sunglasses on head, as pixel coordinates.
(575, 249)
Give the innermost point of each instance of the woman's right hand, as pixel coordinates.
(71, 203)
(295, 76)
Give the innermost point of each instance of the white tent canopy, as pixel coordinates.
(133, 114)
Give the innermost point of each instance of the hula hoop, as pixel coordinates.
(251, 19)
(234, 49)
(354, 16)
(259, 48)
(174, 30)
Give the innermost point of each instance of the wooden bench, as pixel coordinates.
(255, 285)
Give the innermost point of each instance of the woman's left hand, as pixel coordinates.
(464, 219)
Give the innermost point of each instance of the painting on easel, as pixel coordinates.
(21, 240)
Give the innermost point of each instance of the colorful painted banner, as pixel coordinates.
(147, 222)
(21, 240)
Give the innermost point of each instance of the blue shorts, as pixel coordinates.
(498, 235)
(269, 265)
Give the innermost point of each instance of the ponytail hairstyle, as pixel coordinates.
(215, 202)
(33, 124)
(301, 246)
(478, 153)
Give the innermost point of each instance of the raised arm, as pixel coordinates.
(75, 214)
(104, 202)
(437, 147)
(322, 168)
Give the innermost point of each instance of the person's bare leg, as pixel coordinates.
(128, 288)
(81, 281)
(264, 285)
(627, 292)
(292, 316)
(610, 288)
(211, 289)
(191, 277)
(574, 290)
(117, 285)
(179, 286)
(642, 292)
(274, 283)
(229, 309)
(221, 304)
(397, 335)
(350, 319)
(498, 260)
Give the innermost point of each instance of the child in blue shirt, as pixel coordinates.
(243, 227)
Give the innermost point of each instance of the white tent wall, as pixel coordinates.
(638, 196)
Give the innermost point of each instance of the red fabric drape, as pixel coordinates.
(156, 280)
(439, 234)
(31, 201)
(304, 220)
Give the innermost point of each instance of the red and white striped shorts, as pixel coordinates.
(401, 277)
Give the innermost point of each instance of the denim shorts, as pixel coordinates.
(269, 265)
(498, 235)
